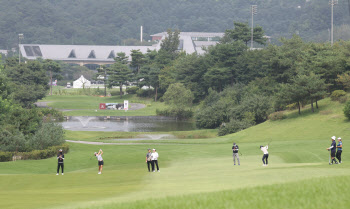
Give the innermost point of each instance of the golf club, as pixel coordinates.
(329, 158)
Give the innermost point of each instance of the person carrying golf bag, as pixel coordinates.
(235, 150)
(60, 158)
(340, 149)
(333, 148)
(266, 154)
(149, 159)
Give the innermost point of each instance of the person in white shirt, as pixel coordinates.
(266, 154)
(154, 158)
(100, 160)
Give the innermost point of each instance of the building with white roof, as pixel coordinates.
(190, 42)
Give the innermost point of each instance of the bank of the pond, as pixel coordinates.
(127, 124)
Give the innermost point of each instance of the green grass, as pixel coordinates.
(195, 173)
(89, 105)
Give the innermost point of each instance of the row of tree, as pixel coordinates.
(22, 125)
(107, 22)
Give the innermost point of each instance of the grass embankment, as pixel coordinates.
(81, 105)
(196, 175)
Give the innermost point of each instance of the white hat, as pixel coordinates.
(154, 149)
(333, 137)
(339, 138)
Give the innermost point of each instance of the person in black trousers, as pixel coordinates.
(340, 149)
(60, 158)
(333, 148)
(149, 160)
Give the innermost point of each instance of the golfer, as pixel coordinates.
(340, 149)
(100, 160)
(149, 160)
(60, 158)
(154, 157)
(235, 149)
(266, 154)
(333, 148)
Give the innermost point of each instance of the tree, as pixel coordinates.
(178, 96)
(53, 68)
(344, 80)
(137, 59)
(28, 82)
(242, 32)
(119, 73)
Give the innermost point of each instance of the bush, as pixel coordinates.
(337, 94)
(343, 99)
(132, 90)
(49, 134)
(277, 116)
(234, 126)
(35, 154)
(6, 156)
(52, 114)
(145, 92)
(346, 110)
(175, 112)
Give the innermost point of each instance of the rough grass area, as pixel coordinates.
(195, 173)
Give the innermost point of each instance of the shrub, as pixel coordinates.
(337, 94)
(35, 154)
(132, 90)
(52, 114)
(234, 126)
(175, 112)
(343, 99)
(49, 134)
(277, 116)
(292, 106)
(346, 109)
(6, 156)
(145, 92)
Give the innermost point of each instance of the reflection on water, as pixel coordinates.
(135, 125)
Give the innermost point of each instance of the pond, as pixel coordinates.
(129, 124)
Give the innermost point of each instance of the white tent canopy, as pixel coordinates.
(81, 83)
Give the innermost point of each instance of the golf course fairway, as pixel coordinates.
(196, 173)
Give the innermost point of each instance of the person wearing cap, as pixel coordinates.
(100, 160)
(340, 149)
(266, 154)
(235, 149)
(154, 158)
(333, 148)
(149, 160)
(60, 158)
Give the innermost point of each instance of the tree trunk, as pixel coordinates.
(121, 90)
(312, 105)
(51, 82)
(316, 104)
(155, 98)
(299, 107)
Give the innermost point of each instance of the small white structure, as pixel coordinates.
(81, 83)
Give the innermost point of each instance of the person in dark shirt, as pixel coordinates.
(149, 160)
(60, 158)
(235, 155)
(333, 148)
(340, 149)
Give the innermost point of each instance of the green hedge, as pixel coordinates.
(35, 154)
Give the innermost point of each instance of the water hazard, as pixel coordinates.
(129, 124)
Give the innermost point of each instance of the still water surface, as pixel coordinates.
(134, 125)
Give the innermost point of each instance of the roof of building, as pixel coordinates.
(194, 34)
(78, 52)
